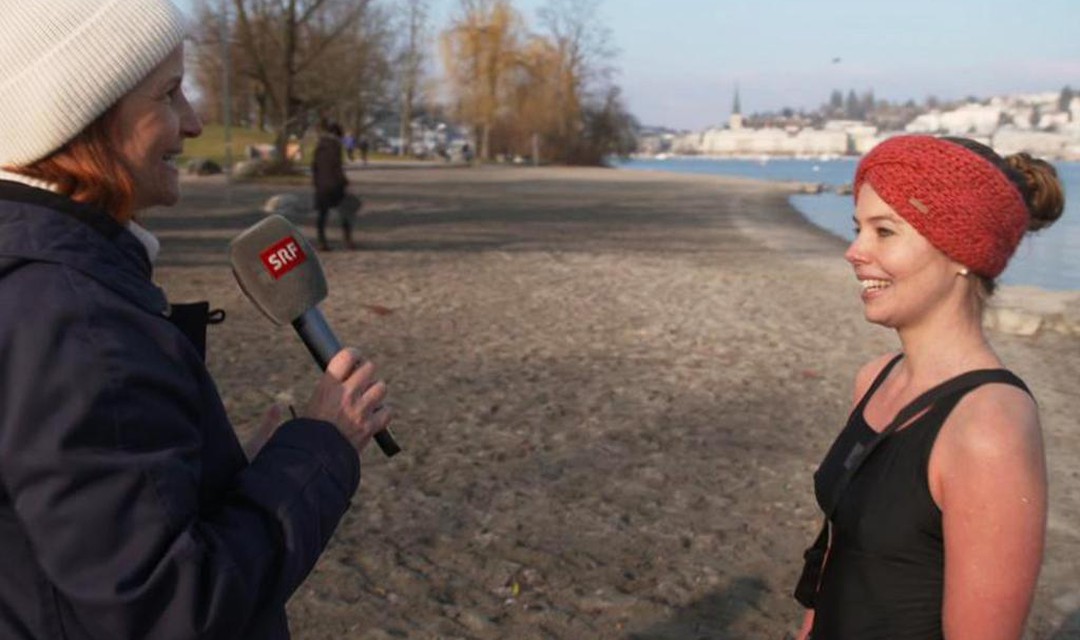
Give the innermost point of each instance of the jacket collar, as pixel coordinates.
(38, 225)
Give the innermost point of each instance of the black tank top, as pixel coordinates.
(884, 577)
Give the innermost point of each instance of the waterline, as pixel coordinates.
(1049, 259)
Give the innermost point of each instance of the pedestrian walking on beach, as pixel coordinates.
(365, 146)
(935, 490)
(328, 177)
(128, 508)
(294, 150)
(349, 141)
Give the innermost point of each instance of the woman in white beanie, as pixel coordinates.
(128, 508)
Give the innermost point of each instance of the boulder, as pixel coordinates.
(249, 169)
(203, 167)
(1023, 310)
(288, 205)
(1016, 322)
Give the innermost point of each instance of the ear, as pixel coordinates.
(958, 268)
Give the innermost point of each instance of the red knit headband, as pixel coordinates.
(959, 201)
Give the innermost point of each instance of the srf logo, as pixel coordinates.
(282, 257)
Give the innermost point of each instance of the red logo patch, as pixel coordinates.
(284, 256)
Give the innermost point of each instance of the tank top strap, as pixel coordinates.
(948, 394)
(953, 390)
(1004, 376)
(884, 373)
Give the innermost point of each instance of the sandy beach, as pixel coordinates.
(612, 389)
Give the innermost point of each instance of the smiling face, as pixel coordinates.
(904, 277)
(149, 129)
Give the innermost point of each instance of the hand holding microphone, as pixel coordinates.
(278, 271)
(350, 396)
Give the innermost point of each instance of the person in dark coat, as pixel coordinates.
(365, 146)
(128, 508)
(328, 176)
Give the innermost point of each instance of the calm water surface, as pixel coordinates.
(1049, 259)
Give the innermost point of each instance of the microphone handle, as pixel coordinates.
(320, 340)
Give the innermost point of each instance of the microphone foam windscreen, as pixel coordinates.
(277, 269)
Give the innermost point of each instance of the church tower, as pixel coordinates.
(736, 121)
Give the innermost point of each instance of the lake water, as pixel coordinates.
(1049, 259)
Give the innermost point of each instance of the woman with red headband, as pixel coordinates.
(935, 527)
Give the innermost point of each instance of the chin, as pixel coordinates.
(161, 199)
(880, 319)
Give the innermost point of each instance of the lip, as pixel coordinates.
(170, 160)
(868, 294)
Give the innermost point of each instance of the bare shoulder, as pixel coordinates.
(993, 422)
(988, 476)
(865, 377)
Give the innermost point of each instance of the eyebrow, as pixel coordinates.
(881, 217)
(176, 80)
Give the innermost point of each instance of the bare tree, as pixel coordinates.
(212, 34)
(550, 94)
(533, 101)
(411, 58)
(356, 87)
(286, 44)
(585, 52)
(592, 120)
(479, 50)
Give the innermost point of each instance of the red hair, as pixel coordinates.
(88, 170)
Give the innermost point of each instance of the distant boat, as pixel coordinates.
(662, 156)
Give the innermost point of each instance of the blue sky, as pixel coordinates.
(680, 59)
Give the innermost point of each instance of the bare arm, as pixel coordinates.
(807, 626)
(988, 475)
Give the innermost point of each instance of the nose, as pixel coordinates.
(855, 254)
(190, 124)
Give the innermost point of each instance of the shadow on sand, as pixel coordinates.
(1069, 629)
(712, 617)
(450, 218)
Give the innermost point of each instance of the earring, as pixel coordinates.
(964, 271)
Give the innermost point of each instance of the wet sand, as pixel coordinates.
(612, 390)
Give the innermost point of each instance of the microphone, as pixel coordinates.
(278, 271)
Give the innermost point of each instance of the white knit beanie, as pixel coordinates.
(63, 63)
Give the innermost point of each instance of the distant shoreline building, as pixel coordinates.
(735, 120)
(1033, 123)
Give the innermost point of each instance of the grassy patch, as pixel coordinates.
(281, 180)
(211, 144)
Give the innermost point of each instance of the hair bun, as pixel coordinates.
(1042, 190)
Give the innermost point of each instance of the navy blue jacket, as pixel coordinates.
(127, 508)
